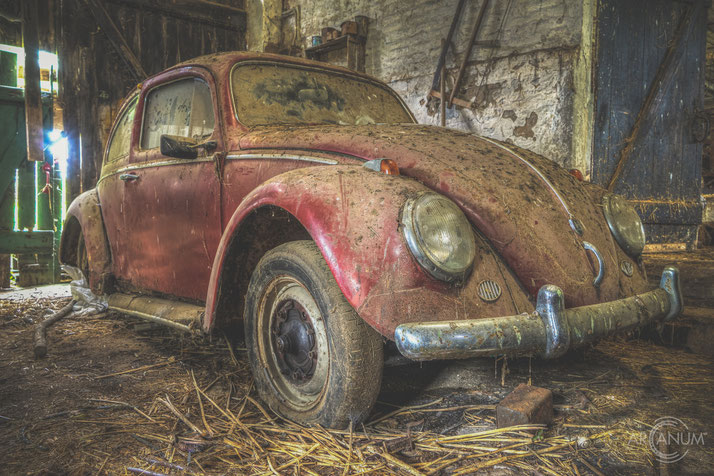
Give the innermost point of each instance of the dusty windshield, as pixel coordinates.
(270, 93)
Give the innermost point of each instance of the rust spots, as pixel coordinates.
(526, 130)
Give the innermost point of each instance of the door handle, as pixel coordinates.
(128, 177)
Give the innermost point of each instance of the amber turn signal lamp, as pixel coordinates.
(389, 167)
(386, 166)
(577, 174)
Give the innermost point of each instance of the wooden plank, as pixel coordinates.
(208, 13)
(12, 140)
(656, 93)
(457, 101)
(446, 45)
(626, 100)
(467, 53)
(659, 29)
(26, 242)
(669, 212)
(690, 81)
(26, 196)
(33, 94)
(117, 40)
(602, 85)
(8, 69)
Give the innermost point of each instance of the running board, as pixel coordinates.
(176, 314)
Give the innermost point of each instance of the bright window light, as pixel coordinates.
(48, 62)
(59, 148)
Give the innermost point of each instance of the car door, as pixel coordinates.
(171, 207)
(110, 187)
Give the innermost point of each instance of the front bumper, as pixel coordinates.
(549, 331)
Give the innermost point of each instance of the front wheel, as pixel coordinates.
(314, 360)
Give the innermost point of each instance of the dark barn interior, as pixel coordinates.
(438, 237)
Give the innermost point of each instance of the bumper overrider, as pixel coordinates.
(548, 332)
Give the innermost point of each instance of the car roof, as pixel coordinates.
(221, 61)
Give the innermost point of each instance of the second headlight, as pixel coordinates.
(439, 236)
(625, 224)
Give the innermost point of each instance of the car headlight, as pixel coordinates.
(439, 236)
(624, 223)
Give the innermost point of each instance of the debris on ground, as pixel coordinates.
(525, 405)
(40, 347)
(120, 397)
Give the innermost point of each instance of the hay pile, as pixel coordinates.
(187, 405)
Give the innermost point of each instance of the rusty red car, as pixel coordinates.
(302, 203)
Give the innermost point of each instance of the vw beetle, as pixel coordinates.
(303, 201)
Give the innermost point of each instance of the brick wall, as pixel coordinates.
(522, 89)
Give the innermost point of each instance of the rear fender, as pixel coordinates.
(85, 215)
(352, 214)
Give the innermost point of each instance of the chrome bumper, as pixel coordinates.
(548, 332)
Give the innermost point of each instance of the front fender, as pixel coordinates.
(85, 213)
(352, 214)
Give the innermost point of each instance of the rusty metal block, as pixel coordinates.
(525, 404)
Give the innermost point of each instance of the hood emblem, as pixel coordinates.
(627, 268)
(489, 290)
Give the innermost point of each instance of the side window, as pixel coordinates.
(182, 108)
(120, 142)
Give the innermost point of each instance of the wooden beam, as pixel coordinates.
(207, 4)
(33, 93)
(457, 101)
(467, 53)
(205, 12)
(662, 80)
(26, 242)
(445, 46)
(117, 39)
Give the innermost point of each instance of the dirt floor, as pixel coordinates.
(116, 395)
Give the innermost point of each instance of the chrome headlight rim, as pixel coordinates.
(414, 242)
(633, 249)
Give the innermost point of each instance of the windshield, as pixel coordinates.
(271, 93)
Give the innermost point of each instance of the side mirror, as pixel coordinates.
(179, 147)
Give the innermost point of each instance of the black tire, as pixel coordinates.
(314, 360)
(82, 259)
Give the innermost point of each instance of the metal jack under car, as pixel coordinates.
(302, 202)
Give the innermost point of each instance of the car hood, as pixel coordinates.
(521, 202)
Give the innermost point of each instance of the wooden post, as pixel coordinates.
(57, 218)
(44, 273)
(7, 212)
(25, 216)
(26, 196)
(33, 100)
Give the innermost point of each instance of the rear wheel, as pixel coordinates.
(315, 361)
(82, 260)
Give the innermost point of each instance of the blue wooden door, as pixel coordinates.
(649, 80)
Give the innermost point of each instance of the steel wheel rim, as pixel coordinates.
(286, 312)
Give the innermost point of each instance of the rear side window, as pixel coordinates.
(182, 108)
(120, 142)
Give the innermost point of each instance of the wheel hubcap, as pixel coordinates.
(294, 339)
(292, 343)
